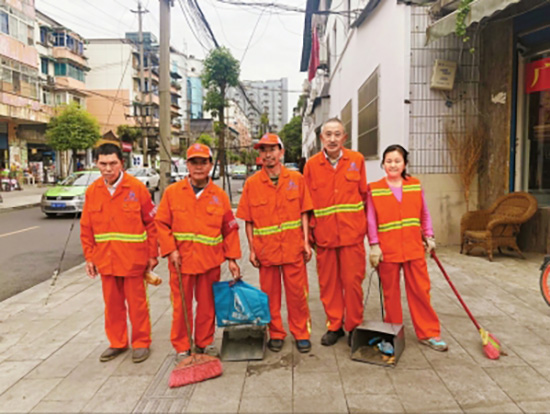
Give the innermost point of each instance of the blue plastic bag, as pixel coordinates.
(238, 303)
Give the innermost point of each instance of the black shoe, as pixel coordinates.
(275, 345)
(331, 337)
(303, 345)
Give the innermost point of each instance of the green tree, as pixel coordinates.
(206, 140)
(221, 71)
(264, 124)
(129, 133)
(291, 135)
(72, 129)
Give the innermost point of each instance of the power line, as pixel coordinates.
(180, 2)
(251, 36)
(86, 23)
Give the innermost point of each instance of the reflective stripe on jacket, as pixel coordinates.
(275, 213)
(118, 232)
(399, 230)
(196, 227)
(339, 199)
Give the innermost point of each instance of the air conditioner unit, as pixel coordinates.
(50, 80)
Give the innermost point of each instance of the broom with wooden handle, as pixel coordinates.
(196, 367)
(491, 345)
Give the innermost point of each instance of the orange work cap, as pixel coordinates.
(269, 139)
(198, 151)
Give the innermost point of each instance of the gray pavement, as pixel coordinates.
(29, 196)
(49, 354)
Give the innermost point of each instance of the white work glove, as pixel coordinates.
(429, 244)
(375, 256)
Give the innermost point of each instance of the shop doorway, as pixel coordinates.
(536, 124)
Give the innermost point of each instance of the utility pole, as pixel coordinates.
(164, 94)
(140, 13)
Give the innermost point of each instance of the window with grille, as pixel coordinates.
(367, 116)
(346, 117)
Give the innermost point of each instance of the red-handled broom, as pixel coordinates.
(491, 345)
(196, 367)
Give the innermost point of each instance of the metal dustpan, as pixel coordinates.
(243, 342)
(367, 336)
(372, 338)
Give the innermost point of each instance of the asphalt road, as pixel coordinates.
(31, 245)
(30, 248)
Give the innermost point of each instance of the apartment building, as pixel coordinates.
(263, 97)
(20, 108)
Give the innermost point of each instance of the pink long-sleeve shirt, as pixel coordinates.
(372, 221)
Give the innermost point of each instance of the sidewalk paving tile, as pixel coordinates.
(86, 378)
(12, 371)
(119, 394)
(423, 391)
(471, 386)
(62, 362)
(221, 395)
(374, 403)
(23, 396)
(159, 350)
(521, 383)
(322, 403)
(251, 404)
(318, 392)
(366, 379)
(58, 346)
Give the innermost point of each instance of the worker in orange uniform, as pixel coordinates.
(198, 232)
(119, 240)
(337, 182)
(274, 205)
(398, 222)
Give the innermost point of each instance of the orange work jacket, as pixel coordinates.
(275, 213)
(339, 199)
(204, 230)
(118, 232)
(399, 227)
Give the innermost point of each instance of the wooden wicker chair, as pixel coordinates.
(498, 226)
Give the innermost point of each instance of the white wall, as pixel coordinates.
(380, 42)
(109, 64)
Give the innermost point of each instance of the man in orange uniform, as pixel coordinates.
(198, 232)
(274, 204)
(337, 182)
(119, 240)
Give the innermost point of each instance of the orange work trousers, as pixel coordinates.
(198, 286)
(117, 291)
(417, 286)
(294, 276)
(341, 272)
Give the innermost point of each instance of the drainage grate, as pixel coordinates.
(159, 398)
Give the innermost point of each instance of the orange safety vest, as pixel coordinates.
(276, 215)
(399, 227)
(339, 199)
(203, 230)
(118, 232)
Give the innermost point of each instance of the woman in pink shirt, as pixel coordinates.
(400, 231)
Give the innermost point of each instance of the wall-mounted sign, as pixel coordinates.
(537, 76)
(443, 77)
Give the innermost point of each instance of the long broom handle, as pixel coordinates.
(434, 256)
(183, 303)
